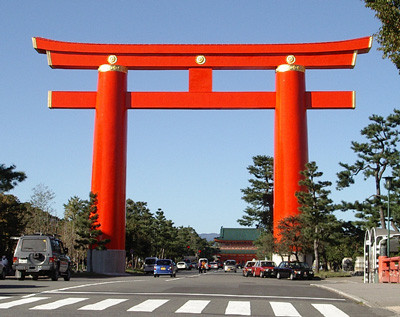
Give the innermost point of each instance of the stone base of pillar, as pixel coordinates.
(108, 261)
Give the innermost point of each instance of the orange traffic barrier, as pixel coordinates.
(389, 269)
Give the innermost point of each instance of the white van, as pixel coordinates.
(149, 265)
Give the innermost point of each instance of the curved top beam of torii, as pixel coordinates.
(323, 55)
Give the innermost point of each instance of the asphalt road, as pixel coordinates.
(211, 294)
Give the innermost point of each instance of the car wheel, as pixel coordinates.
(67, 275)
(292, 277)
(278, 276)
(55, 274)
(3, 274)
(35, 277)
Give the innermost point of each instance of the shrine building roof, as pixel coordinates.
(238, 234)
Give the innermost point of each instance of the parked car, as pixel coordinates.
(194, 265)
(294, 270)
(149, 264)
(165, 267)
(189, 263)
(229, 266)
(41, 255)
(182, 266)
(264, 269)
(247, 268)
(214, 265)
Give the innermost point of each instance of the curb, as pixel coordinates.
(352, 297)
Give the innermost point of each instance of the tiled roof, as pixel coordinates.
(239, 234)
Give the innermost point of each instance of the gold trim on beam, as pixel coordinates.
(286, 67)
(353, 62)
(354, 99)
(116, 68)
(34, 43)
(49, 62)
(49, 97)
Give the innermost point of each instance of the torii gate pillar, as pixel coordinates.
(291, 145)
(111, 101)
(109, 164)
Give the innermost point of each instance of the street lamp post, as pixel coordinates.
(388, 183)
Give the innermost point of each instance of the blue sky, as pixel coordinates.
(192, 164)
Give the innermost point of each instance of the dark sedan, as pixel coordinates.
(294, 270)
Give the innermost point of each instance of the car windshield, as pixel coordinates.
(250, 264)
(231, 262)
(304, 265)
(150, 261)
(295, 265)
(33, 245)
(267, 263)
(164, 262)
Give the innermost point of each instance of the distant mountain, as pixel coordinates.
(208, 236)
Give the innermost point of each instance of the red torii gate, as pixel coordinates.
(112, 100)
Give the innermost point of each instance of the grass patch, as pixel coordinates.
(328, 274)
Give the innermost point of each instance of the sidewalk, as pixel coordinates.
(380, 295)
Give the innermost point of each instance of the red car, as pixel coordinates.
(247, 269)
(263, 269)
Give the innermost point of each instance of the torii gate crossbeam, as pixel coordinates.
(112, 100)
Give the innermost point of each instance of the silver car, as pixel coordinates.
(41, 255)
(230, 266)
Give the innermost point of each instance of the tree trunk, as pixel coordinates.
(316, 255)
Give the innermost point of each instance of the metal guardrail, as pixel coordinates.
(389, 269)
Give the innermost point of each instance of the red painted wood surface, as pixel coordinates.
(340, 54)
(109, 156)
(112, 101)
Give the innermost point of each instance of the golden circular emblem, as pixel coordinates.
(112, 59)
(290, 59)
(200, 59)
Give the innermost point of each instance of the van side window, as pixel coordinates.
(55, 246)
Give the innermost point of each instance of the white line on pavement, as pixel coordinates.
(193, 307)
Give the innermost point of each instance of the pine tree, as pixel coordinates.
(9, 178)
(375, 156)
(316, 207)
(88, 230)
(259, 195)
(388, 11)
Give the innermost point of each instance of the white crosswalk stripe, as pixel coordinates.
(284, 309)
(193, 307)
(238, 308)
(59, 303)
(148, 305)
(104, 304)
(329, 310)
(242, 308)
(20, 302)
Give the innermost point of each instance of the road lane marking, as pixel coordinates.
(4, 297)
(200, 295)
(328, 310)
(58, 303)
(83, 285)
(148, 305)
(284, 309)
(238, 308)
(104, 304)
(193, 307)
(21, 302)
